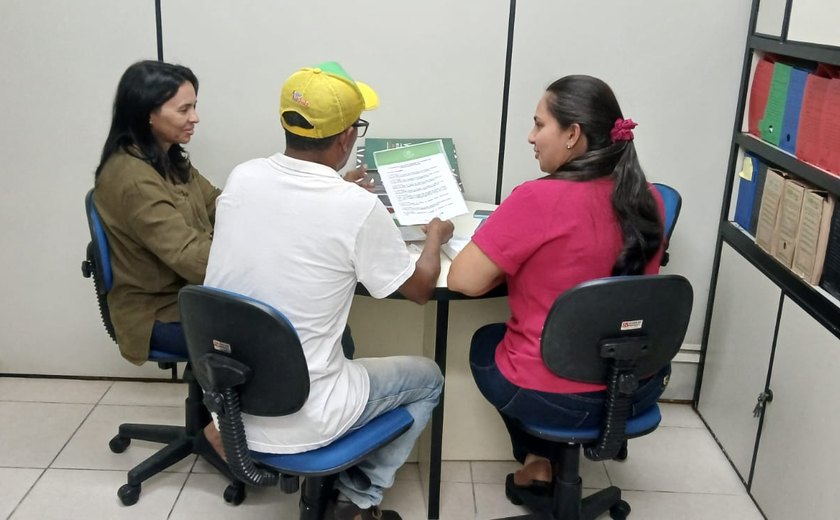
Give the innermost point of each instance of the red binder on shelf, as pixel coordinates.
(759, 92)
(808, 142)
(829, 157)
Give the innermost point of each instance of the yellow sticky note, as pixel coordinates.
(747, 171)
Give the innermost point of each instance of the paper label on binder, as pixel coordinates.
(747, 172)
(632, 324)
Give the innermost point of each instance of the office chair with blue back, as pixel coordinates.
(673, 203)
(612, 331)
(248, 359)
(181, 441)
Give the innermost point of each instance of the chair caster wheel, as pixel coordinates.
(620, 510)
(289, 484)
(119, 444)
(128, 494)
(235, 494)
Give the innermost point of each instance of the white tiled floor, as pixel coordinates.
(55, 464)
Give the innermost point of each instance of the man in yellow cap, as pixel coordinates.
(292, 233)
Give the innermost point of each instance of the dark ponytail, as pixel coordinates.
(591, 104)
(143, 88)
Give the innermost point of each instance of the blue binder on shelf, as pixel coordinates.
(793, 107)
(749, 194)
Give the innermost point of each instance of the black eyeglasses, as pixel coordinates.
(361, 125)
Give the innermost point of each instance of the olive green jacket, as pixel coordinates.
(159, 235)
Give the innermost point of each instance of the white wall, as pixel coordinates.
(675, 68)
(438, 67)
(61, 62)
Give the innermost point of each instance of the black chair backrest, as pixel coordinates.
(253, 333)
(97, 264)
(651, 311)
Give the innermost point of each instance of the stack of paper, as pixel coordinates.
(419, 183)
(371, 145)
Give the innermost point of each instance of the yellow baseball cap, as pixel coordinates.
(327, 97)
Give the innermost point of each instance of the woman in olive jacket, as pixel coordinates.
(157, 210)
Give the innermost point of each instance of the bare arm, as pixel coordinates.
(420, 287)
(473, 273)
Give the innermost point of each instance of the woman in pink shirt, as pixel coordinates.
(592, 215)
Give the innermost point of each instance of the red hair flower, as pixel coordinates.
(622, 130)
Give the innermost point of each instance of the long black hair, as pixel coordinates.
(591, 104)
(143, 88)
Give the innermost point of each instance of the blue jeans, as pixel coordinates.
(559, 410)
(410, 381)
(169, 338)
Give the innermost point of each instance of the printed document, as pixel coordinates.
(419, 183)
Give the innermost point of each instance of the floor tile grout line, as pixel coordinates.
(472, 488)
(28, 491)
(75, 431)
(178, 496)
(94, 403)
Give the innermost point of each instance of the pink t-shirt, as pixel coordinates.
(548, 236)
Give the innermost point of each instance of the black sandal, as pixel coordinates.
(536, 496)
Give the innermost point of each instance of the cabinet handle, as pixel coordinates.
(763, 397)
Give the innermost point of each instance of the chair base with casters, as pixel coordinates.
(181, 442)
(565, 500)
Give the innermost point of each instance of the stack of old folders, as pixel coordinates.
(794, 224)
(416, 179)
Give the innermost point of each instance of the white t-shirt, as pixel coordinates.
(298, 237)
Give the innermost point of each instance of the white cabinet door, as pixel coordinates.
(771, 16)
(796, 469)
(815, 21)
(738, 355)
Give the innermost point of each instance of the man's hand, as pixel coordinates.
(420, 287)
(438, 230)
(358, 175)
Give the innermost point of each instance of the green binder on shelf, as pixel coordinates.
(774, 114)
